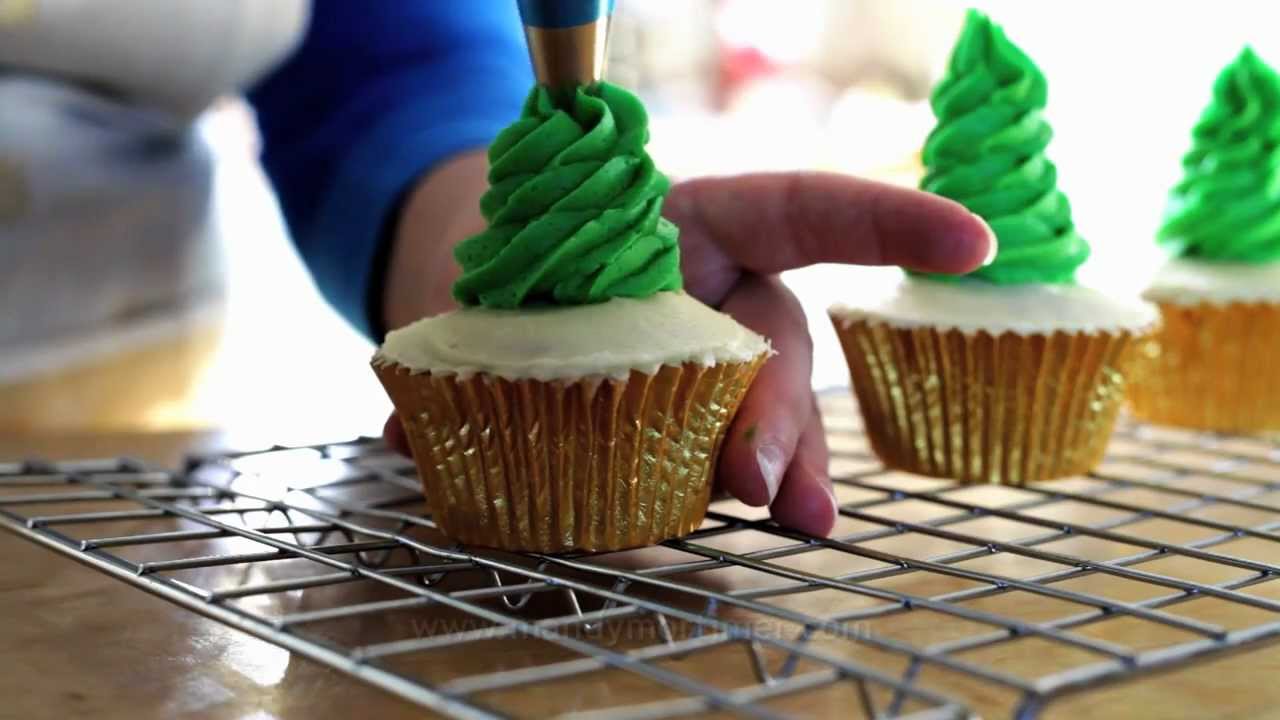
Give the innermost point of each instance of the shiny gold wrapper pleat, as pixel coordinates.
(593, 464)
(1212, 367)
(982, 408)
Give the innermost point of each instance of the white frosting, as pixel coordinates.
(974, 306)
(1190, 282)
(606, 339)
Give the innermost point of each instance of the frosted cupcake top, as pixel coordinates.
(1189, 281)
(609, 339)
(988, 153)
(973, 306)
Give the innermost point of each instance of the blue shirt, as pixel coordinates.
(377, 95)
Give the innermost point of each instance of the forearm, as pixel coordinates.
(441, 210)
(368, 123)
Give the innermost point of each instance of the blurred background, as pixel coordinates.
(225, 330)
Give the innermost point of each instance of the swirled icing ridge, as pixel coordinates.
(987, 152)
(573, 209)
(1227, 206)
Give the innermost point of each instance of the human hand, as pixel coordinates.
(736, 235)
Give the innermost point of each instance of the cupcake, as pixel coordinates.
(1014, 373)
(1212, 365)
(578, 399)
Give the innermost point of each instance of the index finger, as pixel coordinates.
(772, 222)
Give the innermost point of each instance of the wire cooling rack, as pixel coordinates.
(931, 600)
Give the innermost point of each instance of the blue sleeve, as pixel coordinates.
(378, 94)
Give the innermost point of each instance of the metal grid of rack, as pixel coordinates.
(930, 600)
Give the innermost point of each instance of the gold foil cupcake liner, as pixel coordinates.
(983, 408)
(1212, 367)
(593, 464)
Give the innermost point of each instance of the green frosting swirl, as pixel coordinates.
(1227, 206)
(573, 209)
(987, 153)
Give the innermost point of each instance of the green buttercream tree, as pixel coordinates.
(574, 208)
(1227, 206)
(988, 153)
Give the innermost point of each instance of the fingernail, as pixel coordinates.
(993, 244)
(816, 521)
(772, 463)
(835, 503)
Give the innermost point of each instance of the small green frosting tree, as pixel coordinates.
(1227, 206)
(574, 208)
(988, 153)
